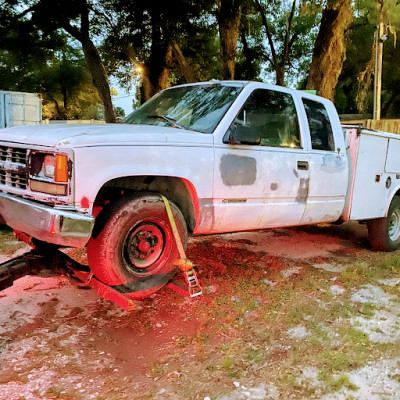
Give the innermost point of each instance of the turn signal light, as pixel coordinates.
(61, 168)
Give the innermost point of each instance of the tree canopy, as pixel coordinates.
(68, 53)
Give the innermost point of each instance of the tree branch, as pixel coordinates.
(268, 32)
(287, 35)
(182, 62)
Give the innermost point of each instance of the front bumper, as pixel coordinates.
(65, 228)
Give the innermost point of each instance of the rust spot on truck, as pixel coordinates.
(85, 202)
(332, 163)
(302, 192)
(207, 216)
(16, 167)
(238, 170)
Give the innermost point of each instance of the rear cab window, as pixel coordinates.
(320, 126)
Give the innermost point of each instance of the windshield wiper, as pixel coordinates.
(169, 120)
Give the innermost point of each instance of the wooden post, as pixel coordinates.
(378, 67)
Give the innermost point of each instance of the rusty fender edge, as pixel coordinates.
(62, 227)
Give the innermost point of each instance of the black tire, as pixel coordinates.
(384, 233)
(133, 247)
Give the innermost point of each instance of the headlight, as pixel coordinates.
(49, 166)
(49, 173)
(56, 167)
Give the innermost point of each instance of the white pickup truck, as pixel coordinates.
(228, 155)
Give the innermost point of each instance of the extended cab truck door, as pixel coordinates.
(260, 184)
(329, 169)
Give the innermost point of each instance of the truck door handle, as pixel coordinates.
(303, 165)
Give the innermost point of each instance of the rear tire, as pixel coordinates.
(384, 233)
(133, 247)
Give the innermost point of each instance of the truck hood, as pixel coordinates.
(83, 135)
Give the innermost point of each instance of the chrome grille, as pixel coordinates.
(13, 169)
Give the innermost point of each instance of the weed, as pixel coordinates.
(299, 312)
(60, 393)
(227, 363)
(354, 274)
(183, 340)
(340, 360)
(158, 368)
(288, 379)
(391, 262)
(340, 310)
(367, 310)
(342, 381)
(253, 355)
(353, 336)
(320, 334)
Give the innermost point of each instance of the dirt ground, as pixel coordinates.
(302, 313)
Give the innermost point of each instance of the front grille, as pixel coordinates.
(13, 154)
(13, 169)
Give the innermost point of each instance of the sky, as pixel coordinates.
(124, 100)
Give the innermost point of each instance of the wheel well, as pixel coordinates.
(397, 194)
(181, 192)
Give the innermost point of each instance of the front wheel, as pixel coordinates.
(133, 246)
(384, 233)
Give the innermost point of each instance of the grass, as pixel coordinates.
(342, 381)
(334, 345)
(253, 355)
(60, 393)
(8, 243)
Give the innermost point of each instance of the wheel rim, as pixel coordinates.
(394, 225)
(144, 245)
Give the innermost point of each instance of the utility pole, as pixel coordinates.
(379, 38)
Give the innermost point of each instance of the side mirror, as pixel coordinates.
(241, 134)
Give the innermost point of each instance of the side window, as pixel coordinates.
(272, 116)
(320, 126)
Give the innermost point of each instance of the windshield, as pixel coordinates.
(198, 107)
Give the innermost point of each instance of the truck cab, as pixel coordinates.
(280, 160)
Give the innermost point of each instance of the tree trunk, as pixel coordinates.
(93, 61)
(59, 114)
(182, 62)
(99, 77)
(280, 74)
(229, 15)
(164, 74)
(157, 68)
(330, 48)
(154, 78)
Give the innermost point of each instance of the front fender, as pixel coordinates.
(94, 166)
